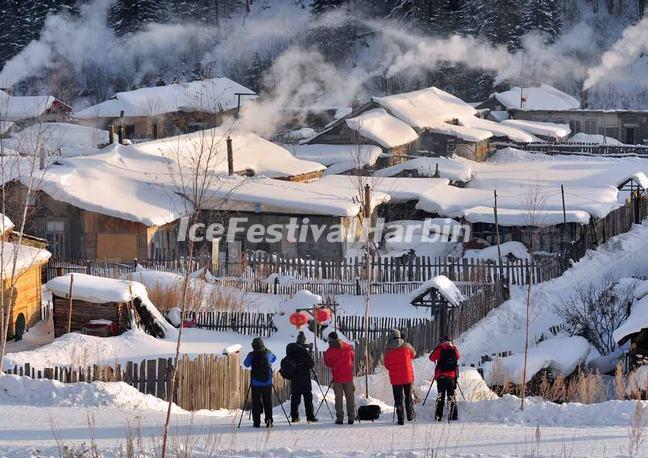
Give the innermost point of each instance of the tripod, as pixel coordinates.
(247, 394)
(324, 399)
(322, 391)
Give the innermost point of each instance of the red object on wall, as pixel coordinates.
(299, 319)
(322, 315)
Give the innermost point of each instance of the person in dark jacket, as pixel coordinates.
(260, 361)
(300, 383)
(446, 357)
(398, 361)
(339, 358)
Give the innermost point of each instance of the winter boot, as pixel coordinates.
(269, 423)
(440, 402)
(453, 414)
(312, 420)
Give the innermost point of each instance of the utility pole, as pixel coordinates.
(368, 267)
(564, 231)
(497, 237)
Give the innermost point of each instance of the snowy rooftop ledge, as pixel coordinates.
(444, 285)
(97, 290)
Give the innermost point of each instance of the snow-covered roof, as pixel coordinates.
(641, 290)
(523, 217)
(543, 129)
(5, 126)
(210, 95)
(17, 108)
(24, 256)
(379, 126)
(597, 139)
(63, 139)
(427, 166)
(5, 223)
(340, 156)
(439, 111)
(637, 321)
(444, 285)
(562, 354)
(515, 249)
(545, 97)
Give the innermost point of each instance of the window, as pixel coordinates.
(56, 238)
(591, 126)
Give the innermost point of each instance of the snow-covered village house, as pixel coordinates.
(21, 111)
(161, 111)
(425, 122)
(22, 284)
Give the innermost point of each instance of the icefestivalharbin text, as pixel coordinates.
(303, 230)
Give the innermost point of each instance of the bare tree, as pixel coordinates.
(595, 310)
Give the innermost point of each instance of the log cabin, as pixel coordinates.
(24, 111)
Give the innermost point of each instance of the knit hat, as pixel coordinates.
(395, 334)
(333, 336)
(445, 339)
(301, 338)
(257, 344)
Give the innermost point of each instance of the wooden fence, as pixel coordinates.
(576, 148)
(205, 382)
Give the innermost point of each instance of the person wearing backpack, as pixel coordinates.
(296, 367)
(446, 356)
(398, 361)
(339, 358)
(260, 361)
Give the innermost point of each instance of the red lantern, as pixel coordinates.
(322, 315)
(299, 319)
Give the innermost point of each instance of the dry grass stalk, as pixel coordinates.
(636, 432)
(619, 382)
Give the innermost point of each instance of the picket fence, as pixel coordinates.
(577, 148)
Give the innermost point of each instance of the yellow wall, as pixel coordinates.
(27, 298)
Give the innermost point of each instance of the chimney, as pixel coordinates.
(111, 134)
(230, 157)
(584, 102)
(121, 127)
(41, 158)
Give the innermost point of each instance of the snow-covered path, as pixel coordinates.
(28, 429)
(503, 329)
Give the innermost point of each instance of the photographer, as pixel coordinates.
(299, 355)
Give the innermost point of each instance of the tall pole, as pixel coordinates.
(69, 324)
(497, 237)
(367, 221)
(564, 231)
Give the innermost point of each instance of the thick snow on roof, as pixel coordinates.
(543, 129)
(545, 97)
(5, 223)
(398, 189)
(523, 217)
(444, 285)
(353, 155)
(211, 95)
(24, 256)
(434, 109)
(597, 139)
(67, 140)
(427, 166)
(17, 108)
(515, 249)
(562, 354)
(251, 152)
(379, 126)
(637, 320)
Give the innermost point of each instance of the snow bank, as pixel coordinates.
(24, 257)
(210, 96)
(6, 223)
(514, 249)
(21, 391)
(427, 167)
(542, 129)
(596, 139)
(545, 97)
(379, 126)
(637, 321)
(562, 354)
(444, 285)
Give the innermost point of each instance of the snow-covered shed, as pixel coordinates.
(352, 159)
(431, 167)
(547, 131)
(98, 303)
(635, 328)
(442, 297)
(21, 281)
(159, 111)
(543, 97)
(25, 110)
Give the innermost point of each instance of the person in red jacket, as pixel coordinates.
(398, 361)
(339, 358)
(446, 355)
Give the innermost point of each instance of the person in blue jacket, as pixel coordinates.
(260, 360)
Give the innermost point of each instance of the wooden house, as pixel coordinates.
(103, 306)
(27, 110)
(21, 285)
(162, 111)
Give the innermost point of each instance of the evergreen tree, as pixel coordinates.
(128, 16)
(543, 16)
(323, 6)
